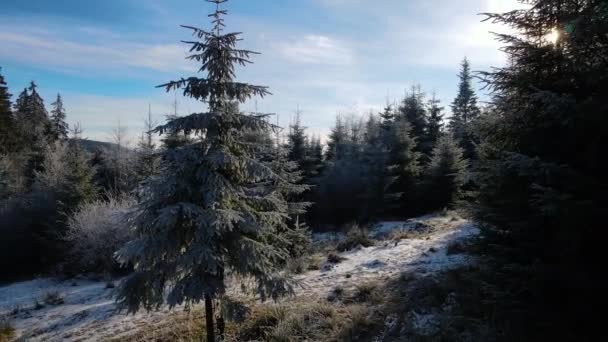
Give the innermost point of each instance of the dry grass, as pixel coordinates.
(307, 321)
(178, 326)
(7, 332)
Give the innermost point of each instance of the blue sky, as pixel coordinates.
(325, 56)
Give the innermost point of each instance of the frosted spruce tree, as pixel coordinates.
(7, 121)
(215, 210)
(59, 128)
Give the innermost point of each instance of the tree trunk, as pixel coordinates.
(209, 318)
(221, 326)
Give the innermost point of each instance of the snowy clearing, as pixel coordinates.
(88, 312)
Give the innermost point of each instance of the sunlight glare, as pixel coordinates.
(553, 36)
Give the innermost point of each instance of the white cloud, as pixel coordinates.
(316, 49)
(50, 50)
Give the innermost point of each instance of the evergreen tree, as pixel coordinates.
(542, 173)
(465, 112)
(435, 128)
(446, 174)
(34, 130)
(297, 141)
(215, 209)
(80, 180)
(337, 142)
(413, 111)
(315, 151)
(7, 121)
(404, 163)
(59, 128)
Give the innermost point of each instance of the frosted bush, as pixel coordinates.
(97, 230)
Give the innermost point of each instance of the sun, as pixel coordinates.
(553, 36)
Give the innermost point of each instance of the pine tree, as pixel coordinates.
(214, 210)
(445, 174)
(7, 121)
(542, 173)
(59, 128)
(435, 128)
(465, 112)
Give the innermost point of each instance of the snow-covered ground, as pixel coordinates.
(89, 312)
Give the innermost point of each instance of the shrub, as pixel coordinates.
(366, 292)
(334, 258)
(356, 236)
(52, 298)
(96, 230)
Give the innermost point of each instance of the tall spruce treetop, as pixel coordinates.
(59, 128)
(464, 106)
(7, 121)
(215, 210)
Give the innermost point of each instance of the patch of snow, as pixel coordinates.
(384, 261)
(384, 229)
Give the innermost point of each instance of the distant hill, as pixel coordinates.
(93, 145)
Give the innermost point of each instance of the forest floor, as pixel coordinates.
(82, 309)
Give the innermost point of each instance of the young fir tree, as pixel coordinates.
(445, 174)
(435, 128)
(59, 128)
(465, 112)
(542, 174)
(148, 161)
(7, 121)
(214, 210)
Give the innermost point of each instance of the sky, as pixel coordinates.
(322, 56)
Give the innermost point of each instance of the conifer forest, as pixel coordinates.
(467, 206)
